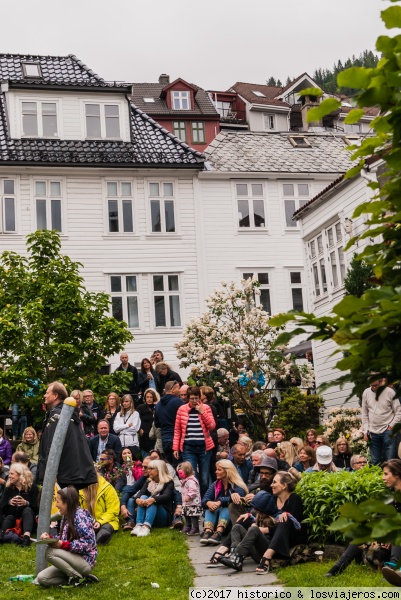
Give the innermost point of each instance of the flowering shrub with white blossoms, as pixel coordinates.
(231, 348)
(346, 422)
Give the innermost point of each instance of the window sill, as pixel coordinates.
(163, 236)
(105, 139)
(249, 230)
(118, 236)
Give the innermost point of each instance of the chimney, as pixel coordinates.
(308, 103)
(164, 79)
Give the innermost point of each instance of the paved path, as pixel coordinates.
(222, 576)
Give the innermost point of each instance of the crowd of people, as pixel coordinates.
(163, 455)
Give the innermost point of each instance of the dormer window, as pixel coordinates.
(31, 70)
(257, 93)
(102, 121)
(180, 100)
(39, 119)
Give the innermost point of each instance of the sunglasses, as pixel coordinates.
(318, 442)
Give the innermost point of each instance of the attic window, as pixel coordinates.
(351, 140)
(257, 93)
(299, 141)
(31, 70)
(148, 100)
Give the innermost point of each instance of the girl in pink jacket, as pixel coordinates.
(191, 498)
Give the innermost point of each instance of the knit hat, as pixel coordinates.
(264, 503)
(267, 462)
(324, 455)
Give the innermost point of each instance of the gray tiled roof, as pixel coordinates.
(203, 104)
(250, 152)
(56, 70)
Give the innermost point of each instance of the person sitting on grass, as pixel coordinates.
(108, 466)
(73, 555)
(229, 486)
(18, 506)
(155, 500)
(129, 493)
(30, 445)
(101, 500)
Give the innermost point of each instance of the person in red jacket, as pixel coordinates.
(193, 424)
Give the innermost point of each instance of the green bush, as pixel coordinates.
(297, 412)
(324, 493)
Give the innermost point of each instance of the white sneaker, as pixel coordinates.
(145, 531)
(137, 529)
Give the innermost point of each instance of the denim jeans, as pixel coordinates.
(200, 461)
(214, 517)
(131, 505)
(155, 514)
(382, 447)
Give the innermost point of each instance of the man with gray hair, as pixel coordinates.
(76, 465)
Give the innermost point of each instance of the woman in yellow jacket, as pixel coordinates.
(101, 500)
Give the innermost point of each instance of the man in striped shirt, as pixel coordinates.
(193, 424)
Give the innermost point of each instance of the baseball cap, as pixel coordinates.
(324, 455)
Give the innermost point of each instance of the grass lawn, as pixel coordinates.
(312, 575)
(125, 567)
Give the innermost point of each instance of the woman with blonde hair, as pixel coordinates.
(127, 424)
(155, 500)
(111, 409)
(287, 453)
(19, 502)
(30, 445)
(229, 486)
(342, 454)
(297, 444)
(247, 443)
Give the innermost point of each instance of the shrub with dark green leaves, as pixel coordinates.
(324, 493)
(297, 412)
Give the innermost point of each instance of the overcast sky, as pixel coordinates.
(212, 43)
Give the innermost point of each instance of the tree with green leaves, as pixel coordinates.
(358, 278)
(51, 327)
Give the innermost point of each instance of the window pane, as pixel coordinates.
(55, 208)
(303, 189)
(112, 127)
(49, 124)
(312, 249)
(115, 282)
(247, 276)
(319, 244)
(117, 308)
(128, 221)
(160, 313)
(130, 282)
(158, 283)
(342, 263)
(297, 301)
(175, 318)
(8, 186)
(168, 189)
(9, 214)
(242, 189)
(41, 220)
(295, 277)
(93, 127)
(339, 234)
(169, 215)
(265, 300)
(288, 189)
(302, 203)
(154, 189)
(243, 213)
(132, 308)
(334, 268)
(257, 189)
(29, 107)
(155, 215)
(113, 216)
(179, 130)
(330, 236)
(92, 110)
(126, 188)
(55, 188)
(40, 188)
(111, 110)
(289, 206)
(263, 278)
(173, 283)
(49, 108)
(323, 274)
(259, 213)
(316, 280)
(30, 125)
(111, 188)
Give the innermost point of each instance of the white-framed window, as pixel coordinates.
(39, 119)
(180, 100)
(296, 286)
(162, 210)
(125, 299)
(198, 132)
(295, 196)
(269, 122)
(326, 255)
(166, 300)
(180, 130)
(250, 198)
(48, 204)
(352, 127)
(262, 299)
(102, 121)
(8, 201)
(120, 207)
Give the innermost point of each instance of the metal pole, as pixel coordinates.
(50, 478)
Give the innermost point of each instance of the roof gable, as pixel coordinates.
(302, 82)
(178, 84)
(266, 94)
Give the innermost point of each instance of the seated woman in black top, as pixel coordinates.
(287, 531)
(342, 454)
(19, 501)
